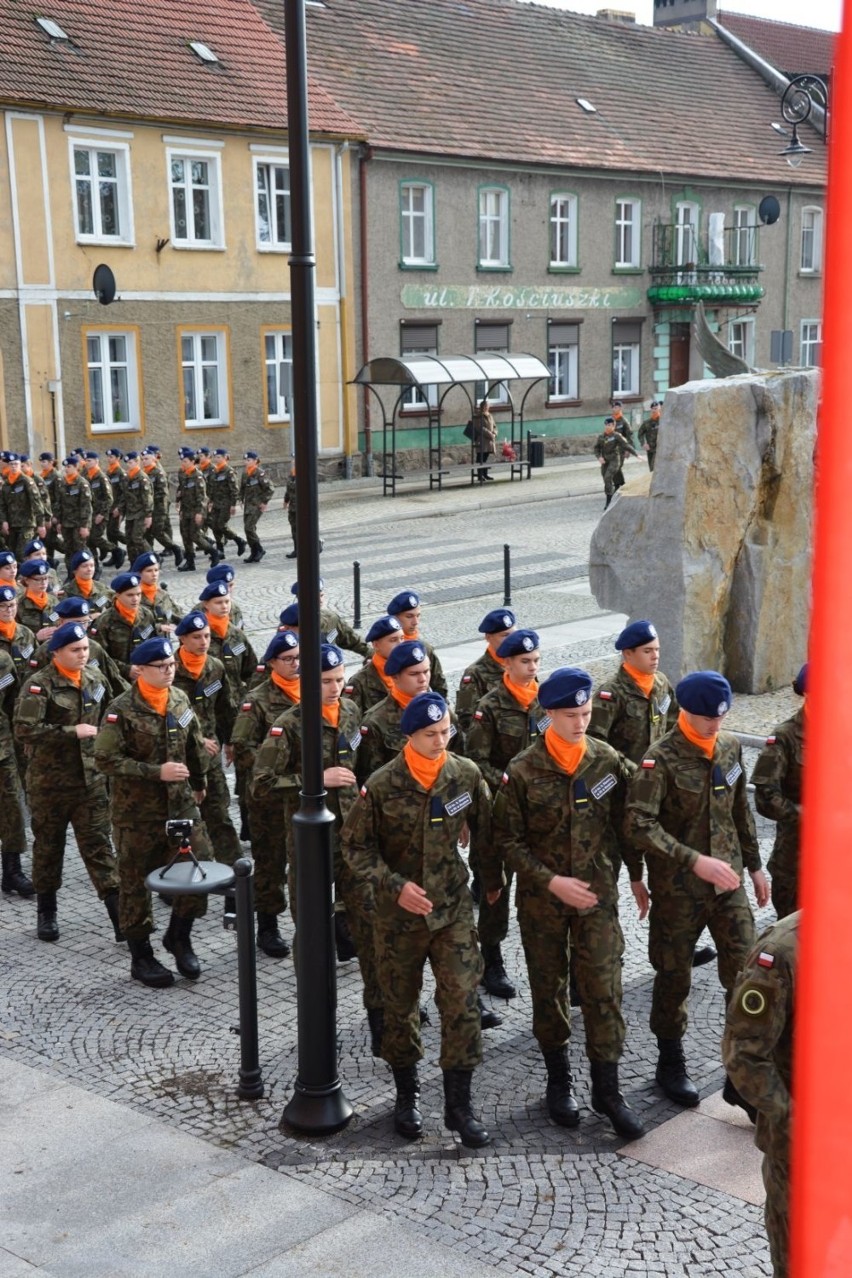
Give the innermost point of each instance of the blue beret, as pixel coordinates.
(222, 572)
(496, 620)
(71, 632)
(705, 692)
(616, 403)
(634, 635)
(91, 455)
(800, 683)
(146, 560)
(330, 655)
(204, 450)
(131, 456)
(656, 403)
(46, 457)
(567, 688)
(408, 653)
(190, 623)
(214, 590)
(34, 568)
(382, 628)
(32, 546)
(403, 602)
(12, 457)
(145, 654)
(186, 453)
(294, 589)
(80, 452)
(81, 557)
(154, 448)
(71, 460)
(124, 581)
(110, 452)
(221, 452)
(289, 616)
(422, 711)
(7, 594)
(24, 457)
(281, 641)
(73, 606)
(609, 421)
(518, 642)
(251, 455)
(6, 557)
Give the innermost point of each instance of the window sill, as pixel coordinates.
(628, 397)
(810, 275)
(493, 270)
(628, 270)
(418, 266)
(198, 248)
(275, 423)
(118, 428)
(105, 241)
(563, 403)
(206, 425)
(555, 269)
(274, 248)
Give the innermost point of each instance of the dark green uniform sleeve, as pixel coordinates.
(773, 764)
(359, 845)
(758, 1014)
(647, 791)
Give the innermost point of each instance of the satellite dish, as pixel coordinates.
(103, 282)
(769, 210)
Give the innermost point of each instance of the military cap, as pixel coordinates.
(222, 572)
(251, 455)
(213, 590)
(125, 581)
(154, 448)
(382, 628)
(656, 403)
(330, 655)
(81, 557)
(616, 403)
(6, 557)
(146, 560)
(496, 620)
(23, 457)
(704, 692)
(289, 616)
(800, 683)
(518, 642)
(422, 711)
(131, 456)
(204, 450)
(71, 460)
(12, 457)
(294, 589)
(73, 606)
(113, 452)
(186, 453)
(408, 653)
(567, 688)
(71, 632)
(221, 452)
(46, 457)
(36, 544)
(34, 568)
(7, 594)
(403, 602)
(634, 635)
(91, 455)
(79, 451)
(151, 651)
(609, 421)
(190, 623)
(282, 641)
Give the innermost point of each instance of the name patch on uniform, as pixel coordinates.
(101, 601)
(146, 632)
(604, 695)
(663, 705)
(26, 652)
(355, 741)
(458, 804)
(213, 688)
(735, 772)
(544, 724)
(453, 730)
(602, 787)
(98, 692)
(238, 649)
(765, 960)
(6, 680)
(185, 719)
(331, 636)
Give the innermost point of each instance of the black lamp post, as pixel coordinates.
(802, 94)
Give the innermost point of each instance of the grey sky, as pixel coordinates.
(817, 13)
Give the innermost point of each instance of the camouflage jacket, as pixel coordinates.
(777, 779)
(258, 711)
(397, 833)
(101, 491)
(627, 719)
(164, 608)
(484, 674)
(34, 617)
(8, 692)
(681, 804)
(20, 503)
(99, 660)
(547, 822)
(256, 489)
(159, 481)
(118, 638)
(382, 738)
(46, 717)
(501, 729)
(50, 481)
(290, 495)
(20, 649)
(278, 763)
(612, 448)
(210, 697)
(137, 496)
(757, 1047)
(437, 678)
(73, 503)
(366, 688)
(132, 745)
(191, 493)
(237, 656)
(222, 489)
(116, 479)
(98, 598)
(335, 630)
(648, 432)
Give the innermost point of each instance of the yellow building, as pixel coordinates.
(154, 141)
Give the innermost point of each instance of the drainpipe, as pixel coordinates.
(366, 155)
(773, 78)
(343, 303)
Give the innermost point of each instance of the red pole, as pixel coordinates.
(821, 1214)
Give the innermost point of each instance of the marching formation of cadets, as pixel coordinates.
(121, 709)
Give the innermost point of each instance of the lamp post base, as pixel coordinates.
(316, 1109)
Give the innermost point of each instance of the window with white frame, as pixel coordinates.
(493, 338)
(196, 200)
(811, 261)
(278, 357)
(563, 230)
(628, 234)
(811, 343)
(493, 226)
(563, 351)
(272, 204)
(419, 339)
(102, 204)
(686, 234)
(417, 223)
(745, 236)
(204, 369)
(626, 346)
(741, 339)
(112, 382)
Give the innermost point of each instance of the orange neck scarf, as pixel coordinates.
(48, 470)
(411, 638)
(127, 614)
(73, 676)
(220, 465)
(149, 590)
(194, 662)
(425, 771)
(72, 478)
(219, 625)
(705, 744)
(111, 468)
(645, 682)
(567, 756)
(85, 585)
(379, 665)
(251, 467)
(290, 687)
(157, 698)
(188, 467)
(92, 471)
(204, 464)
(40, 600)
(525, 696)
(401, 698)
(132, 471)
(331, 714)
(493, 655)
(13, 478)
(7, 630)
(149, 467)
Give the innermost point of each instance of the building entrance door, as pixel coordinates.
(678, 354)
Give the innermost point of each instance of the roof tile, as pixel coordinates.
(787, 47)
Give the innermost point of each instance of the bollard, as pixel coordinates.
(356, 589)
(251, 1080)
(507, 576)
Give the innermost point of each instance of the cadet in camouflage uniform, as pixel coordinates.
(610, 449)
(228, 642)
(155, 596)
(77, 609)
(82, 583)
(637, 706)
(332, 626)
(406, 608)
(757, 1049)
(161, 524)
(688, 812)
(22, 512)
(621, 423)
(17, 640)
(290, 500)
(192, 504)
(138, 507)
(151, 748)
(256, 491)
(72, 507)
(116, 479)
(777, 780)
(36, 603)
(227, 573)
(558, 821)
(370, 685)
(648, 432)
(125, 623)
(13, 836)
(222, 496)
(50, 477)
(400, 840)
(487, 671)
(57, 719)
(101, 490)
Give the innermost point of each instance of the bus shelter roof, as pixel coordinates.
(447, 370)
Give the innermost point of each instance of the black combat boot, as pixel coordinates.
(259, 552)
(117, 557)
(561, 1102)
(178, 554)
(376, 1022)
(176, 940)
(608, 1100)
(229, 913)
(241, 547)
(188, 564)
(14, 879)
(488, 1018)
(703, 954)
(111, 903)
(494, 978)
(269, 939)
(407, 1119)
(671, 1073)
(732, 1096)
(458, 1115)
(47, 928)
(145, 968)
(216, 556)
(254, 557)
(292, 555)
(343, 941)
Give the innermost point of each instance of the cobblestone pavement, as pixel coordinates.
(541, 1200)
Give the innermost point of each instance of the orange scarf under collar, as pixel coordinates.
(290, 687)
(379, 666)
(425, 771)
(127, 614)
(705, 744)
(331, 714)
(645, 682)
(157, 698)
(73, 676)
(567, 756)
(149, 590)
(40, 601)
(219, 625)
(194, 662)
(402, 699)
(85, 585)
(525, 695)
(7, 630)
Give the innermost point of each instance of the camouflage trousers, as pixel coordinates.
(72, 542)
(403, 944)
(217, 817)
(17, 538)
(193, 534)
(99, 542)
(613, 477)
(141, 848)
(87, 812)
(554, 937)
(269, 846)
(291, 519)
(13, 833)
(161, 531)
(493, 920)
(137, 537)
(785, 889)
(251, 519)
(677, 918)
(221, 529)
(776, 1180)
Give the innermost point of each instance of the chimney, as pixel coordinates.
(625, 16)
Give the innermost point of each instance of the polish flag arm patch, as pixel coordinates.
(246, 705)
(112, 718)
(466, 678)
(649, 763)
(275, 732)
(363, 792)
(771, 740)
(765, 960)
(604, 695)
(35, 688)
(477, 714)
(505, 778)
